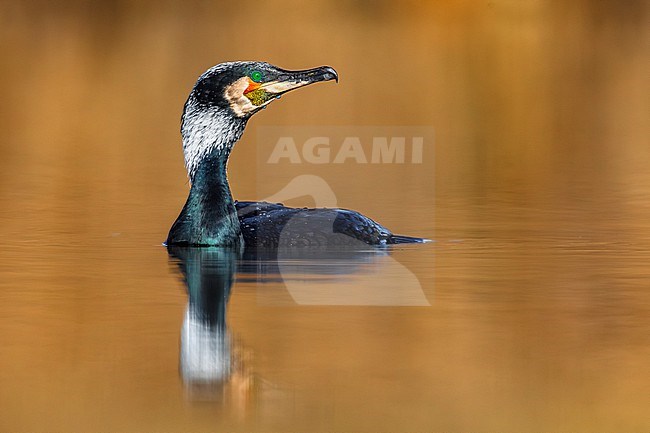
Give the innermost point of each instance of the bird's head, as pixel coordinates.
(246, 87)
(227, 95)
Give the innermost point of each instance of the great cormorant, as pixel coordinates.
(214, 118)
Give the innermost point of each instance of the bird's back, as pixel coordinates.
(272, 225)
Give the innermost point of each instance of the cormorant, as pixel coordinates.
(216, 112)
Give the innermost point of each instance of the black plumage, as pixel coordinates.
(272, 225)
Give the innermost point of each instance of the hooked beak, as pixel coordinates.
(290, 80)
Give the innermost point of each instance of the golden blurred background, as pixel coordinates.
(546, 97)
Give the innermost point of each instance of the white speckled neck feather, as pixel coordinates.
(206, 131)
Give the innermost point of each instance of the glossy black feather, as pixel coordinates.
(272, 225)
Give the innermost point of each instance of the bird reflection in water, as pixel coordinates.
(214, 365)
(212, 362)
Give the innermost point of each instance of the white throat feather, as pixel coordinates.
(206, 131)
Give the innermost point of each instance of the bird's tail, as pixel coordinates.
(399, 239)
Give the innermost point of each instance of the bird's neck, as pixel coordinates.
(210, 188)
(209, 216)
(208, 133)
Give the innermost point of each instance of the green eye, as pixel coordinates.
(256, 76)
